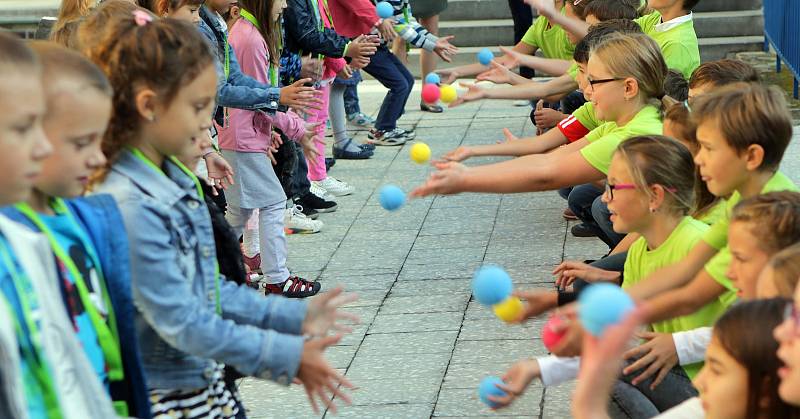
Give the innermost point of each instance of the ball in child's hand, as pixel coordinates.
(509, 310)
(430, 93)
(485, 56)
(488, 387)
(491, 285)
(551, 335)
(602, 305)
(448, 93)
(385, 10)
(433, 78)
(420, 153)
(391, 197)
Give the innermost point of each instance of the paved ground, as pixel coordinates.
(423, 346)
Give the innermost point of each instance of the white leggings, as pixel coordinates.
(269, 235)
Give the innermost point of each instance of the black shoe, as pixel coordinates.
(316, 203)
(584, 230)
(329, 162)
(424, 107)
(367, 146)
(342, 153)
(310, 212)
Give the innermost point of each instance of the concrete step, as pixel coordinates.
(498, 9)
(473, 33)
(710, 49)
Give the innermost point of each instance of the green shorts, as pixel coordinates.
(427, 8)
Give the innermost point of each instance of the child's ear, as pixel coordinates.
(754, 156)
(146, 100)
(631, 88)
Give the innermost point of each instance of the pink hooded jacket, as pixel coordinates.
(251, 131)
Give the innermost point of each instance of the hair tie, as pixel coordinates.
(141, 17)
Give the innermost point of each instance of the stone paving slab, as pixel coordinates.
(423, 345)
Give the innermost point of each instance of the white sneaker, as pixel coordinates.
(335, 187)
(298, 223)
(320, 192)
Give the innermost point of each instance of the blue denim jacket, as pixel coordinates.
(100, 218)
(173, 268)
(237, 90)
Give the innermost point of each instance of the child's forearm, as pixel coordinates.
(548, 65)
(534, 90)
(575, 26)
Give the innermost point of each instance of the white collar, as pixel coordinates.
(665, 26)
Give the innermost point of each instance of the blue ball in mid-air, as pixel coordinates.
(433, 78)
(491, 285)
(391, 197)
(485, 56)
(385, 10)
(602, 305)
(488, 387)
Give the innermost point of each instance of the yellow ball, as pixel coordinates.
(420, 153)
(449, 93)
(508, 310)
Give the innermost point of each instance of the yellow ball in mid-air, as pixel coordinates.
(448, 93)
(509, 310)
(420, 153)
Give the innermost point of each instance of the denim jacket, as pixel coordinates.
(173, 263)
(100, 218)
(237, 90)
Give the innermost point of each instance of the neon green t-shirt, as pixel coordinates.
(552, 41)
(605, 138)
(641, 262)
(678, 44)
(717, 235)
(573, 71)
(585, 115)
(714, 213)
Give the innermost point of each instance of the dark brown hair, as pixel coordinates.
(270, 31)
(163, 55)
(676, 86)
(745, 332)
(659, 160)
(721, 72)
(749, 114)
(774, 219)
(604, 10)
(599, 31)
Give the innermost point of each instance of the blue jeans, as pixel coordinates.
(601, 217)
(580, 201)
(609, 263)
(393, 75)
(639, 401)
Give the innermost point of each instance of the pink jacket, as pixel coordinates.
(353, 17)
(251, 131)
(332, 65)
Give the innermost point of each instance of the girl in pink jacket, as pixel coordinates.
(247, 141)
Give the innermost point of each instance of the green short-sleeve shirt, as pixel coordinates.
(642, 261)
(714, 213)
(717, 235)
(573, 71)
(585, 115)
(678, 43)
(603, 140)
(552, 41)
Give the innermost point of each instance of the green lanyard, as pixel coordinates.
(142, 157)
(273, 71)
(33, 355)
(107, 334)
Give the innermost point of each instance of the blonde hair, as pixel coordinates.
(69, 16)
(659, 160)
(636, 56)
(773, 218)
(785, 267)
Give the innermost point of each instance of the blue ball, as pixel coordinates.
(491, 285)
(385, 10)
(485, 56)
(433, 78)
(602, 305)
(488, 387)
(391, 197)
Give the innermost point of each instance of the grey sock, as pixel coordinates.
(338, 118)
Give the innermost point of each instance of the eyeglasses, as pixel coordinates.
(622, 186)
(602, 81)
(790, 313)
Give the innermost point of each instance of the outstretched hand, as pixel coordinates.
(474, 92)
(444, 49)
(321, 381)
(324, 313)
(447, 180)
